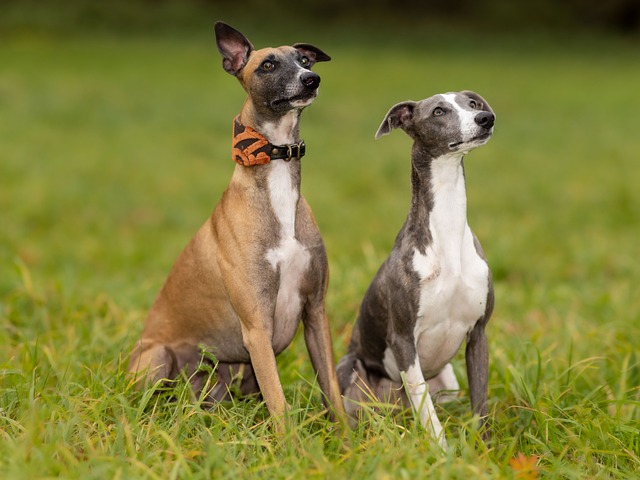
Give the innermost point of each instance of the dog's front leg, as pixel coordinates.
(255, 312)
(416, 386)
(263, 360)
(317, 336)
(406, 357)
(477, 360)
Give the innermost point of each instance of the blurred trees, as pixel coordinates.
(621, 16)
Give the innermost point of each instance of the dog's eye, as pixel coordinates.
(304, 61)
(267, 65)
(438, 112)
(474, 105)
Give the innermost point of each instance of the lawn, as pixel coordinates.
(114, 149)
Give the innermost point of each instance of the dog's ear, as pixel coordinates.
(234, 47)
(314, 54)
(481, 102)
(399, 116)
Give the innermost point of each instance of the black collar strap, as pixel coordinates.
(252, 148)
(287, 152)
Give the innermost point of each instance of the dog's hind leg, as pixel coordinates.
(150, 362)
(233, 379)
(444, 387)
(212, 380)
(360, 385)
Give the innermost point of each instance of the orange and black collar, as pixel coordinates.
(251, 148)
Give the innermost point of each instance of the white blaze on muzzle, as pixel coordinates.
(468, 126)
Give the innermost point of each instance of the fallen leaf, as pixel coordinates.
(525, 468)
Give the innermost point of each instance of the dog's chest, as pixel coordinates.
(453, 278)
(289, 259)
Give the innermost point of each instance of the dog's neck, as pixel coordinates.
(438, 214)
(279, 180)
(277, 129)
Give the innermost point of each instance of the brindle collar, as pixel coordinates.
(252, 148)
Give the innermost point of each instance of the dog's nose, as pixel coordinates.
(485, 119)
(310, 80)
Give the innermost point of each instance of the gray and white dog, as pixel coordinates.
(435, 289)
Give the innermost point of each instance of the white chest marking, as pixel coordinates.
(284, 197)
(290, 257)
(453, 277)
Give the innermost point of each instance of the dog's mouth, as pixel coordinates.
(301, 100)
(475, 141)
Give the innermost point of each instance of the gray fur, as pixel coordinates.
(389, 310)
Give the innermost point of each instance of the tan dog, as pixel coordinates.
(258, 265)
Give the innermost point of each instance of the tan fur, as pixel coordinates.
(221, 294)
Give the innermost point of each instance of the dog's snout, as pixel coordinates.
(310, 80)
(485, 119)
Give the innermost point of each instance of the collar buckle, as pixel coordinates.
(295, 150)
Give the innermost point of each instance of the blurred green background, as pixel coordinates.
(115, 124)
(113, 114)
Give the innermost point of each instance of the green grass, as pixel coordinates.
(114, 150)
